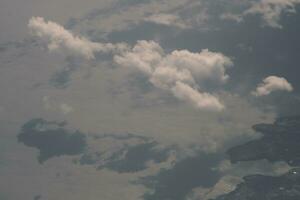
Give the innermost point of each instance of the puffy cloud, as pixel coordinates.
(271, 10)
(58, 38)
(183, 73)
(166, 19)
(272, 83)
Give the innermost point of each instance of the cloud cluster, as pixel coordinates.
(183, 73)
(272, 83)
(58, 38)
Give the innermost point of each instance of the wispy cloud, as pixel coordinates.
(58, 38)
(270, 11)
(167, 20)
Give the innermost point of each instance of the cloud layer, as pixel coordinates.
(271, 84)
(58, 38)
(183, 73)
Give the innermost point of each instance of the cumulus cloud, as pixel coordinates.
(183, 73)
(271, 84)
(58, 38)
(167, 20)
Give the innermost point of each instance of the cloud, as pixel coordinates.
(199, 100)
(271, 10)
(181, 72)
(58, 38)
(167, 20)
(233, 17)
(51, 105)
(271, 84)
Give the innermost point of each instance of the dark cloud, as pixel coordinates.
(51, 139)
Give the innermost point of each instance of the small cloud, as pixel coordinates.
(51, 105)
(232, 17)
(58, 38)
(65, 108)
(271, 84)
(167, 20)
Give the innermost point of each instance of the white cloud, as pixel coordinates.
(271, 10)
(272, 83)
(181, 72)
(200, 100)
(58, 38)
(166, 19)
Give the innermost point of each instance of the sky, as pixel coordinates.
(136, 100)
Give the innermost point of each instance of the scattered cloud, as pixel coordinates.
(272, 10)
(271, 84)
(181, 72)
(58, 38)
